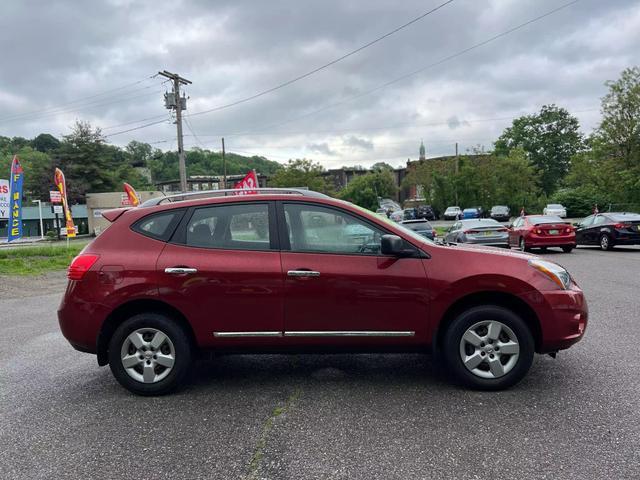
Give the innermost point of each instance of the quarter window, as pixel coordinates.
(158, 225)
(234, 227)
(313, 228)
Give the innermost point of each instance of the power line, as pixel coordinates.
(136, 128)
(322, 67)
(415, 72)
(79, 100)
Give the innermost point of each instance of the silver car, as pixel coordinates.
(482, 231)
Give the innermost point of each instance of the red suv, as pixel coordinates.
(294, 270)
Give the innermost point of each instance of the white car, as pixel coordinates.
(555, 209)
(452, 213)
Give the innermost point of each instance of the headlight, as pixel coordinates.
(553, 271)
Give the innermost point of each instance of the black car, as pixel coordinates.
(501, 213)
(421, 227)
(609, 229)
(427, 212)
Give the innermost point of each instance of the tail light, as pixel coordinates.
(568, 230)
(81, 265)
(620, 226)
(502, 229)
(538, 231)
(472, 232)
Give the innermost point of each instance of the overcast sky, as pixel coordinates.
(59, 58)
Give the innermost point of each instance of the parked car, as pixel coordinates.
(473, 212)
(427, 212)
(484, 231)
(452, 213)
(555, 209)
(542, 231)
(501, 213)
(421, 227)
(397, 216)
(409, 214)
(383, 212)
(609, 229)
(253, 273)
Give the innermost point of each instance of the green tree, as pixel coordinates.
(619, 132)
(301, 173)
(549, 138)
(365, 190)
(45, 142)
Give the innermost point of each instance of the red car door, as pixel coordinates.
(223, 272)
(337, 284)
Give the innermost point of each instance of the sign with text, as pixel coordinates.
(15, 200)
(4, 198)
(55, 196)
(61, 183)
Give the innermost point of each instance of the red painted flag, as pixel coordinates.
(248, 184)
(61, 184)
(134, 198)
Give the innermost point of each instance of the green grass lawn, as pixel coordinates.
(29, 260)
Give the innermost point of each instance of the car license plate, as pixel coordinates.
(553, 232)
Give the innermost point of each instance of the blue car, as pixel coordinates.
(471, 213)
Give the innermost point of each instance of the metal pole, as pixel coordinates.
(181, 161)
(224, 166)
(39, 202)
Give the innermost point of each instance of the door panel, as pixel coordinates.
(231, 279)
(338, 283)
(355, 293)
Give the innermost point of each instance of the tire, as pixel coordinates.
(168, 361)
(522, 246)
(567, 249)
(513, 334)
(605, 242)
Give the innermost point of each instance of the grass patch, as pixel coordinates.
(442, 231)
(37, 260)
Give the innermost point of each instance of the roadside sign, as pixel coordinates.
(55, 196)
(57, 209)
(124, 200)
(97, 213)
(4, 198)
(63, 230)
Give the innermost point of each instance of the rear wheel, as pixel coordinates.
(149, 354)
(522, 245)
(488, 348)
(567, 249)
(605, 242)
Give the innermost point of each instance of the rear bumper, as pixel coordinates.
(503, 243)
(551, 241)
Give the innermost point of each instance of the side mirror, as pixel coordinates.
(394, 245)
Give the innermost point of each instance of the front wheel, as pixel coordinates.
(149, 354)
(488, 348)
(605, 242)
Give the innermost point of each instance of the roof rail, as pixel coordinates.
(179, 197)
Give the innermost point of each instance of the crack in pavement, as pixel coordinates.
(258, 454)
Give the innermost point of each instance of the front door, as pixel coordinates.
(584, 231)
(222, 271)
(338, 284)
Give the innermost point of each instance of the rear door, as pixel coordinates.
(222, 271)
(339, 285)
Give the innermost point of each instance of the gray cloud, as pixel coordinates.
(358, 143)
(322, 148)
(232, 49)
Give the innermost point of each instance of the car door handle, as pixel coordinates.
(303, 273)
(180, 270)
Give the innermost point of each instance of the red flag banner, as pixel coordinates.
(248, 184)
(58, 178)
(134, 198)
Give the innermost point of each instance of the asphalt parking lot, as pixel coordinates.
(333, 416)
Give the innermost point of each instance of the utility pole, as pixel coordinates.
(224, 166)
(173, 101)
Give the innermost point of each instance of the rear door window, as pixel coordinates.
(233, 227)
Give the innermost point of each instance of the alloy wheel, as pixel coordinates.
(523, 248)
(147, 355)
(489, 349)
(604, 242)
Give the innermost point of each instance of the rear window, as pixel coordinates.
(488, 222)
(629, 217)
(539, 220)
(159, 225)
(417, 226)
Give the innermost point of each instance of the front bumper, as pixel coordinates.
(563, 318)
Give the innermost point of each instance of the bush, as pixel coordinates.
(579, 201)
